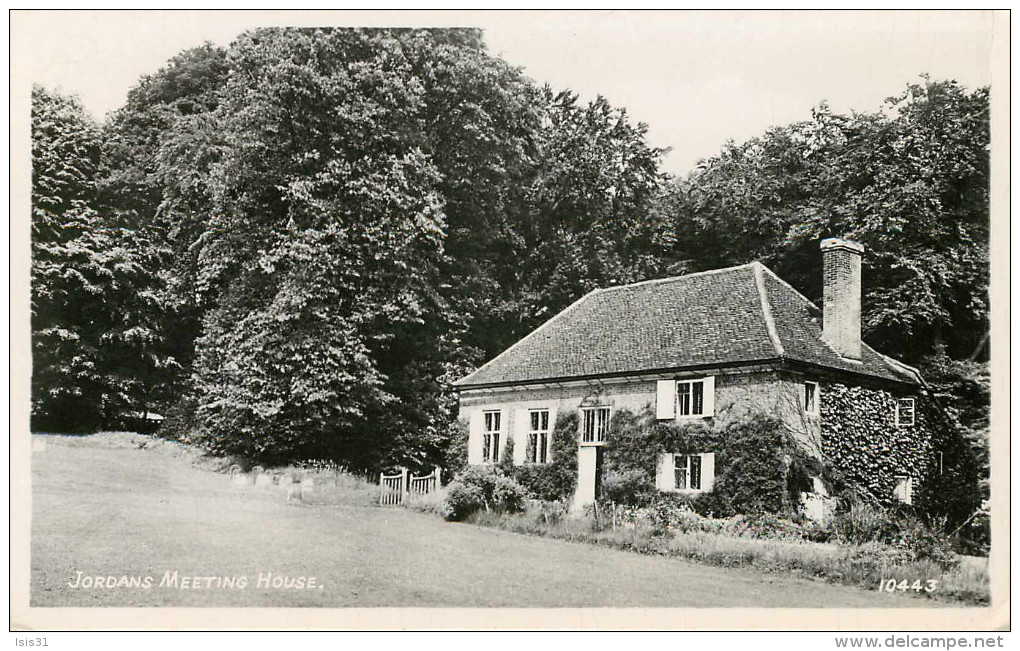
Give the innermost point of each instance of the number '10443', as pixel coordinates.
(892, 585)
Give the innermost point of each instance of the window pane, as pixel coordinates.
(488, 422)
(683, 399)
(905, 411)
(532, 445)
(588, 430)
(695, 471)
(534, 420)
(809, 397)
(543, 447)
(545, 420)
(680, 471)
(495, 448)
(495, 419)
(603, 424)
(698, 389)
(486, 446)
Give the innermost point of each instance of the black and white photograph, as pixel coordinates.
(564, 319)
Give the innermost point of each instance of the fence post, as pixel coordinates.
(404, 484)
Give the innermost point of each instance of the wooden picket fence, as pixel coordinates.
(394, 489)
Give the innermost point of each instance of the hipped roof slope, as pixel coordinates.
(726, 317)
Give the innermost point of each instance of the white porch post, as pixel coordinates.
(586, 466)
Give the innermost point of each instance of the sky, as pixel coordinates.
(696, 78)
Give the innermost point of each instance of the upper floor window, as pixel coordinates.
(538, 436)
(689, 398)
(811, 397)
(905, 412)
(594, 425)
(491, 436)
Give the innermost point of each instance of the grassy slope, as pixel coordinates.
(135, 512)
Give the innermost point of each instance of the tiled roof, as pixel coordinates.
(728, 317)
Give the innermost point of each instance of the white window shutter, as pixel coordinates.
(665, 399)
(664, 480)
(475, 426)
(707, 471)
(709, 396)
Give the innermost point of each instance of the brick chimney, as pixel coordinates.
(841, 296)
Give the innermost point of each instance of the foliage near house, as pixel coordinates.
(861, 437)
(870, 452)
(556, 480)
(758, 466)
(482, 488)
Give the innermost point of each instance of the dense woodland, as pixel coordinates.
(293, 245)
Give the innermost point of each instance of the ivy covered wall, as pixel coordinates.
(865, 447)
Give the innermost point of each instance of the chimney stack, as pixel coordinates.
(841, 296)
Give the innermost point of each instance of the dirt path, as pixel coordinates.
(136, 513)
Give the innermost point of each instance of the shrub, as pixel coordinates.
(627, 487)
(857, 522)
(483, 488)
(556, 480)
(764, 526)
(860, 523)
(753, 461)
(462, 499)
(924, 541)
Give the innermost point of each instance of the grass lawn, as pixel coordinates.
(137, 513)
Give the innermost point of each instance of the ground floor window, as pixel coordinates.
(904, 490)
(491, 436)
(538, 436)
(687, 473)
(594, 425)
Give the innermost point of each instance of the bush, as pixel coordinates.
(764, 526)
(556, 480)
(483, 489)
(462, 499)
(627, 487)
(758, 466)
(856, 522)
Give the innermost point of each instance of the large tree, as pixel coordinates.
(379, 211)
(96, 328)
(909, 181)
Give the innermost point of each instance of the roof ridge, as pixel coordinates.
(766, 308)
(807, 300)
(791, 287)
(669, 279)
(527, 336)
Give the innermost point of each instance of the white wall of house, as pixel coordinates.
(735, 396)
